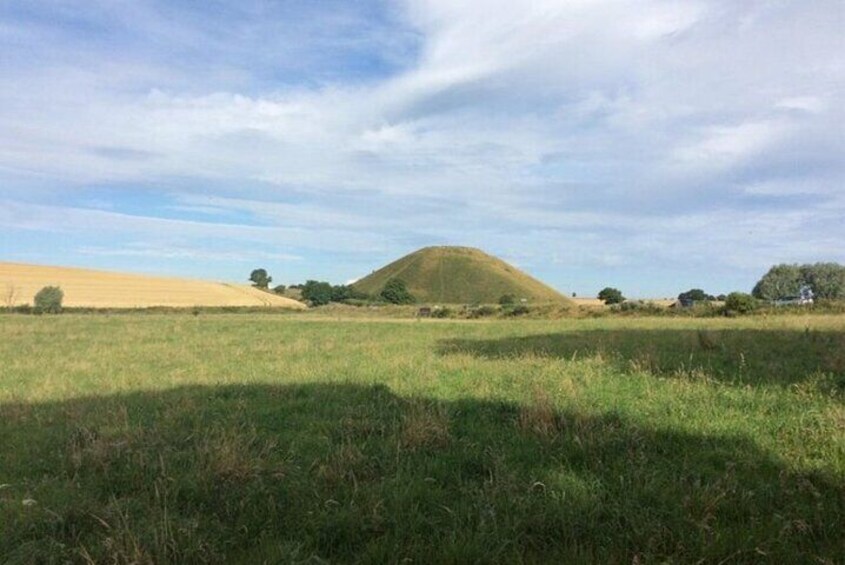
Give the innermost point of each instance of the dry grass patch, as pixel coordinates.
(540, 417)
(347, 463)
(235, 455)
(424, 425)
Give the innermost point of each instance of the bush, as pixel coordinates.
(318, 293)
(441, 312)
(49, 300)
(345, 293)
(279, 289)
(639, 307)
(507, 299)
(740, 303)
(518, 310)
(482, 311)
(396, 292)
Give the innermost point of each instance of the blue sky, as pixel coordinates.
(651, 145)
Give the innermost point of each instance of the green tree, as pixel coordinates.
(826, 279)
(260, 279)
(611, 295)
(343, 292)
(696, 295)
(279, 289)
(318, 293)
(740, 303)
(396, 292)
(49, 300)
(507, 299)
(781, 281)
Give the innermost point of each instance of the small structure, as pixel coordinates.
(686, 302)
(424, 312)
(805, 297)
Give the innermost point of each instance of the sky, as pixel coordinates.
(649, 145)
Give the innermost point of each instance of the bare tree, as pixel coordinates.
(10, 295)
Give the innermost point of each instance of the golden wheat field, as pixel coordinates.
(100, 289)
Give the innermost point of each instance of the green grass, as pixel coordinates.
(459, 275)
(238, 438)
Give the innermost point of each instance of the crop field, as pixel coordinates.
(84, 288)
(266, 439)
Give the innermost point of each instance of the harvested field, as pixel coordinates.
(84, 288)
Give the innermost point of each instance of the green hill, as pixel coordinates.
(459, 275)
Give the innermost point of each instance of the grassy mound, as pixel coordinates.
(459, 275)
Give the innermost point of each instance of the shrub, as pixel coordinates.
(279, 289)
(345, 293)
(441, 312)
(507, 299)
(318, 293)
(639, 307)
(740, 303)
(482, 311)
(49, 300)
(396, 292)
(518, 310)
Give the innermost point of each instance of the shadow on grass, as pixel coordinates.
(357, 474)
(758, 357)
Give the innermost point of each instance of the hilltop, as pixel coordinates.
(459, 275)
(102, 289)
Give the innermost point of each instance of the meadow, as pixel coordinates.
(172, 438)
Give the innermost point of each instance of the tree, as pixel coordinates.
(827, 280)
(781, 281)
(260, 279)
(343, 292)
(279, 289)
(396, 292)
(318, 293)
(695, 295)
(611, 295)
(49, 300)
(740, 303)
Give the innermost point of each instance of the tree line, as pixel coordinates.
(320, 293)
(822, 281)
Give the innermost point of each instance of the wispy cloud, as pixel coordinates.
(587, 139)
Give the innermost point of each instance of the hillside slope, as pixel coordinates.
(459, 275)
(100, 289)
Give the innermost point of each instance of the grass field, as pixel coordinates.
(236, 438)
(85, 288)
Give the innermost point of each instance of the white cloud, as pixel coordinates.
(654, 119)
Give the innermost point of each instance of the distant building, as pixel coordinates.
(424, 312)
(686, 302)
(805, 296)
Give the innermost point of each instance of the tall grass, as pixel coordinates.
(157, 438)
